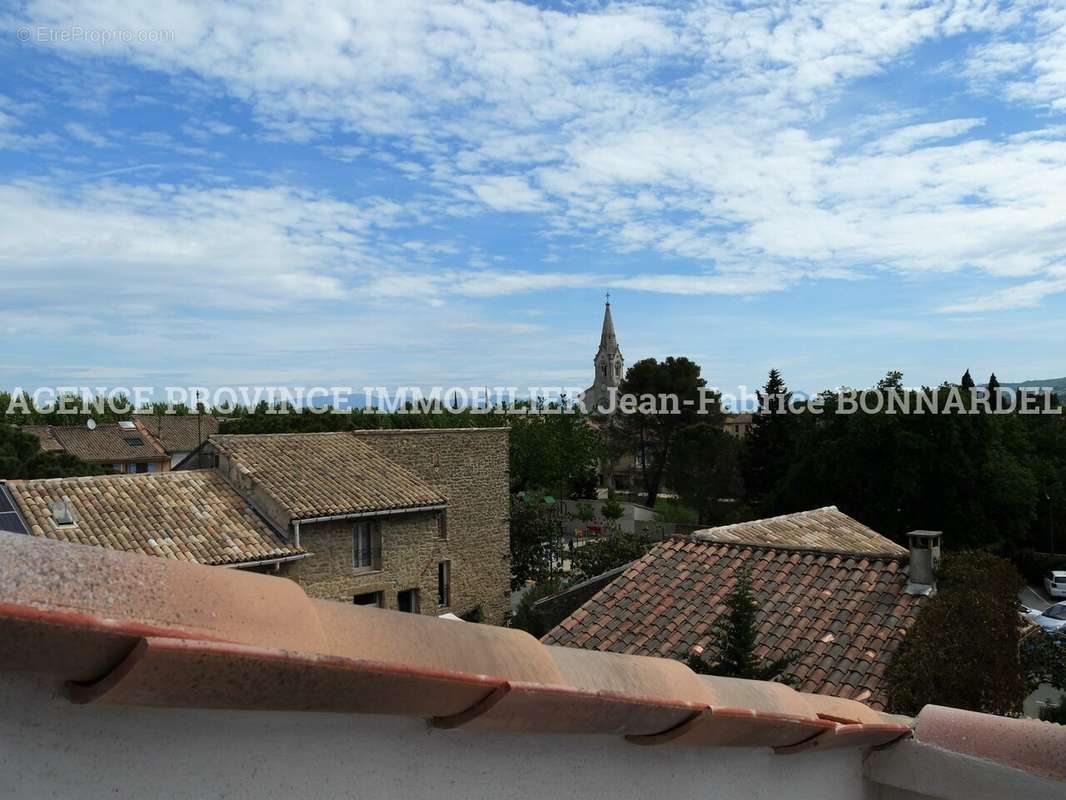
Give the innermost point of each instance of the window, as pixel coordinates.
(369, 599)
(442, 525)
(140, 466)
(133, 441)
(366, 546)
(444, 583)
(62, 514)
(407, 601)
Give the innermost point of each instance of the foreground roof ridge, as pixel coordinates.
(115, 628)
(187, 635)
(210, 638)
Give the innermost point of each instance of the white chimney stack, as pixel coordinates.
(925, 561)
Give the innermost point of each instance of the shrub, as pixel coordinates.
(964, 651)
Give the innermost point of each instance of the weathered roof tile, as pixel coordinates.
(192, 515)
(313, 475)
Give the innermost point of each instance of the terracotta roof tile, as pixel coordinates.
(107, 443)
(121, 629)
(313, 475)
(191, 516)
(179, 433)
(654, 609)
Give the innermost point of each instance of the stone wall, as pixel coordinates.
(410, 552)
(470, 466)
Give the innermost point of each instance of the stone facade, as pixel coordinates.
(411, 549)
(470, 466)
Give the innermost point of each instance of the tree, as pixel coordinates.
(735, 641)
(967, 380)
(611, 509)
(555, 451)
(993, 392)
(1044, 660)
(704, 470)
(536, 541)
(963, 651)
(598, 556)
(674, 386)
(525, 618)
(769, 448)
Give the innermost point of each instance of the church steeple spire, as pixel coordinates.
(607, 338)
(608, 363)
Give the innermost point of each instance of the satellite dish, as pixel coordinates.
(90, 424)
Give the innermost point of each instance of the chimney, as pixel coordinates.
(925, 561)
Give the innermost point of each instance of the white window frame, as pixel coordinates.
(368, 531)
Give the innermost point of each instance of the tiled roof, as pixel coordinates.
(49, 444)
(189, 516)
(313, 475)
(824, 529)
(844, 615)
(106, 444)
(179, 434)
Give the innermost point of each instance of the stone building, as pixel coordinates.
(412, 520)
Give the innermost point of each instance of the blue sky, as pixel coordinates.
(360, 193)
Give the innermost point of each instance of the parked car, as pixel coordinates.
(1055, 583)
(1052, 619)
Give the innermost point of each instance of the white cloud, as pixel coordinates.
(904, 139)
(508, 193)
(697, 133)
(83, 134)
(1023, 295)
(1031, 69)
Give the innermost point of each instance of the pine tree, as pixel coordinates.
(769, 447)
(967, 380)
(993, 392)
(735, 641)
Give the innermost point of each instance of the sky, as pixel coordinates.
(440, 193)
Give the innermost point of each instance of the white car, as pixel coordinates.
(1055, 583)
(1051, 619)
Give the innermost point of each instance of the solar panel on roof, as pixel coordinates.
(11, 523)
(5, 502)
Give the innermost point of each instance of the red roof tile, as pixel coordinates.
(844, 615)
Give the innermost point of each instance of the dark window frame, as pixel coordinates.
(415, 600)
(378, 597)
(444, 583)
